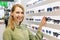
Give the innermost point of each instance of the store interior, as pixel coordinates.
(34, 11)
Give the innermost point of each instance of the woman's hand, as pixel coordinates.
(43, 22)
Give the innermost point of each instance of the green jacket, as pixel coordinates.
(21, 33)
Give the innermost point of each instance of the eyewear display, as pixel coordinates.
(27, 19)
(43, 30)
(27, 12)
(36, 28)
(49, 9)
(31, 11)
(56, 34)
(41, 10)
(48, 19)
(31, 19)
(56, 7)
(49, 32)
(37, 19)
(56, 21)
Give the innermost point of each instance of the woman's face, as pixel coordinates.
(18, 14)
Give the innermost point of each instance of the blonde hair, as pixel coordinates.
(11, 19)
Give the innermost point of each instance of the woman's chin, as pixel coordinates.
(19, 20)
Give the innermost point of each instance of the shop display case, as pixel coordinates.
(48, 8)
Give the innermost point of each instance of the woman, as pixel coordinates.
(18, 31)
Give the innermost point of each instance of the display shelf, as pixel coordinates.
(43, 3)
(55, 26)
(53, 13)
(49, 32)
(32, 10)
(50, 19)
(50, 37)
(39, 22)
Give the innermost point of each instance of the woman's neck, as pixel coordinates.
(17, 23)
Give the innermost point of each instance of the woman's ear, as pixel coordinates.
(11, 14)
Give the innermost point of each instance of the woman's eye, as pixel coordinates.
(22, 12)
(17, 12)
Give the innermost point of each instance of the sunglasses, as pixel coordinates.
(27, 19)
(43, 30)
(48, 19)
(56, 21)
(31, 19)
(37, 19)
(27, 12)
(36, 28)
(40, 10)
(31, 11)
(49, 32)
(56, 34)
(56, 7)
(49, 9)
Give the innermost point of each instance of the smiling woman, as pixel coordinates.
(16, 16)
(16, 30)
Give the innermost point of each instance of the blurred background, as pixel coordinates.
(34, 11)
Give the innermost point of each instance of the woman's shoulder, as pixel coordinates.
(7, 30)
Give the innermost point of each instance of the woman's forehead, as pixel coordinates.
(18, 9)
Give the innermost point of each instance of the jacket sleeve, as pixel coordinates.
(38, 36)
(7, 35)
